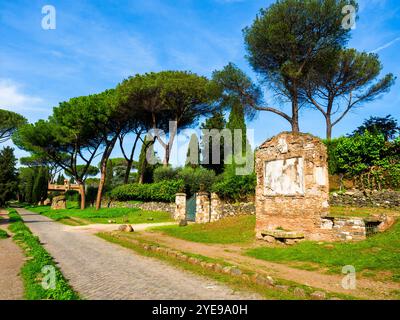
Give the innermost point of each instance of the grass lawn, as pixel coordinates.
(361, 212)
(379, 253)
(74, 216)
(230, 230)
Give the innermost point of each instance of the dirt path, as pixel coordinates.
(97, 269)
(366, 289)
(11, 261)
(96, 228)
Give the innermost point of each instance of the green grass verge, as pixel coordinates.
(38, 258)
(380, 252)
(238, 229)
(75, 216)
(3, 234)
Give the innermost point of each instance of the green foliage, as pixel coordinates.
(164, 191)
(9, 123)
(91, 194)
(145, 169)
(74, 216)
(192, 178)
(286, 40)
(354, 155)
(387, 126)
(32, 270)
(60, 179)
(347, 80)
(237, 90)
(195, 178)
(165, 174)
(40, 186)
(367, 158)
(3, 234)
(8, 175)
(215, 122)
(33, 183)
(230, 230)
(25, 186)
(193, 153)
(235, 187)
(379, 252)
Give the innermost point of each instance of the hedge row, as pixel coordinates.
(164, 191)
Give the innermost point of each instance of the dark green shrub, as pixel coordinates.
(91, 195)
(233, 187)
(164, 191)
(193, 178)
(165, 174)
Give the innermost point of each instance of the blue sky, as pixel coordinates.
(99, 43)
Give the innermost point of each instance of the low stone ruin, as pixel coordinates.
(59, 203)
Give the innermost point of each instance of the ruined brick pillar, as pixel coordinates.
(203, 207)
(216, 207)
(180, 209)
(292, 190)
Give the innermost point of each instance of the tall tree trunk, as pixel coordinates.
(130, 160)
(101, 184)
(168, 148)
(103, 170)
(328, 128)
(295, 108)
(128, 171)
(83, 194)
(295, 115)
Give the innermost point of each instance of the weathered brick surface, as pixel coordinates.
(298, 197)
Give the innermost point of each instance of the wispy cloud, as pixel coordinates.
(385, 46)
(13, 99)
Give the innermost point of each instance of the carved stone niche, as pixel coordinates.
(292, 185)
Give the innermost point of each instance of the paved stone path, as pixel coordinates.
(11, 261)
(97, 269)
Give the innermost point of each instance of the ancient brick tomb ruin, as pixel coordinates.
(292, 189)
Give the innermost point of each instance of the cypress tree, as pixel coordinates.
(216, 121)
(39, 193)
(145, 170)
(193, 153)
(8, 175)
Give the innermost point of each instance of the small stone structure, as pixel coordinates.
(211, 208)
(203, 207)
(216, 208)
(59, 203)
(292, 190)
(180, 210)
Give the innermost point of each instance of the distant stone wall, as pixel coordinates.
(357, 198)
(148, 206)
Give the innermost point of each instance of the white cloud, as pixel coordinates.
(13, 99)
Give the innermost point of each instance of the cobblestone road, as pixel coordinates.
(97, 269)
